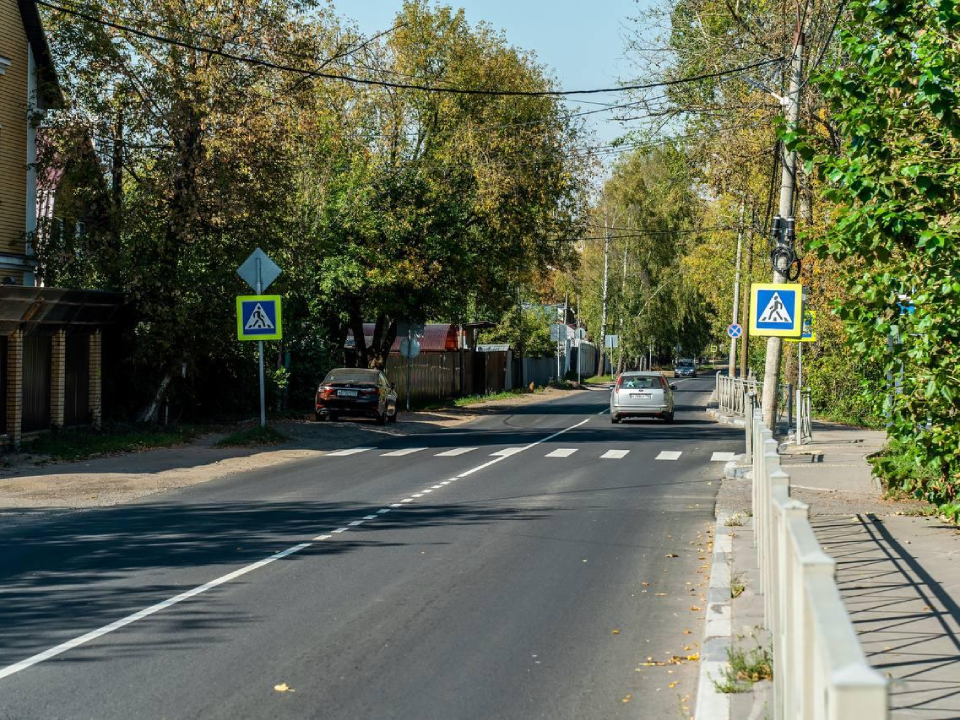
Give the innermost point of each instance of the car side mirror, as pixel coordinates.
(673, 387)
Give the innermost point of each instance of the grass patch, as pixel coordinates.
(599, 379)
(746, 667)
(81, 443)
(252, 436)
(737, 584)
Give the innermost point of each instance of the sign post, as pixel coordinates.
(410, 348)
(259, 316)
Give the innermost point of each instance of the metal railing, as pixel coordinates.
(804, 417)
(820, 671)
(732, 394)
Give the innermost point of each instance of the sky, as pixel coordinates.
(581, 42)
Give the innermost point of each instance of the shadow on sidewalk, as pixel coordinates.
(908, 623)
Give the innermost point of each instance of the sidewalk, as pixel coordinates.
(899, 573)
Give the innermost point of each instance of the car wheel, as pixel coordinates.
(396, 415)
(333, 417)
(318, 416)
(615, 420)
(668, 418)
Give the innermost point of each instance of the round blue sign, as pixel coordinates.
(734, 330)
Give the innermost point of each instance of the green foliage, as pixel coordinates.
(745, 668)
(78, 444)
(896, 178)
(527, 331)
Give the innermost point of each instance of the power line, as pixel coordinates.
(397, 85)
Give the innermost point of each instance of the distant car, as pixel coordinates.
(641, 394)
(357, 392)
(685, 368)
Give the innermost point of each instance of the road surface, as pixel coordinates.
(541, 563)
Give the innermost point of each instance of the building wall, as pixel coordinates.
(13, 132)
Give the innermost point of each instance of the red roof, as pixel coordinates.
(437, 337)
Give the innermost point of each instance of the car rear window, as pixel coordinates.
(640, 383)
(351, 375)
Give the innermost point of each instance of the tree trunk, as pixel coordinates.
(150, 414)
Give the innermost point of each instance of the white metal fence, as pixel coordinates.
(732, 393)
(819, 669)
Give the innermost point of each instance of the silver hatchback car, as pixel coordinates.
(641, 394)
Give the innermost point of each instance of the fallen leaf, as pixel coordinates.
(671, 555)
(614, 632)
(627, 698)
(687, 632)
(674, 684)
(694, 608)
(661, 594)
(283, 687)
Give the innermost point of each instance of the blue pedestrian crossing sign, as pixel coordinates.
(776, 310)
(259, 317)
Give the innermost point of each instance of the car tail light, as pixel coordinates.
(619, 382)
(369, 391)
(325, 391)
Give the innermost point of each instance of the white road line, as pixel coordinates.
(146, 612)
(393, 505)
(426, 492)
(369, 517)
(415, 495)
(436, 487)
(561, 452)
(322, 537)
(383, 511)
(507, 452)
(456, 451)
(722, 456)
(669, 455)
(349, 451)
(401, 453)
(355, 523)
(614, 454)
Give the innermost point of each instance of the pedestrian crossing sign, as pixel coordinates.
(776, 310)
(259, 317)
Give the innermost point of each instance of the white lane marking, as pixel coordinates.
(322, 537)
(426, 492)
(349, 451)
(436, 487)
(614, 454)
(83, 639)
(355, 523)
(456, 451)
(401, 453)
(561, 452)
(446, 482)
(146, 612)
(415, 495)
(722, 456)
(393, 505)
(384, 510)
(369, 517)
(507, 452)
(669, 455)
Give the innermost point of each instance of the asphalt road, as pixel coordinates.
(531, 584)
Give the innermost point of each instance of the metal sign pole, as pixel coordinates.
(409, 362)
(263, 403)
(799, 393)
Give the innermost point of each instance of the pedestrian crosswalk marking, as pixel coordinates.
(456, 451)
(669, 455)
(776, 311)
(259, 320)
(401, 453)
(722, 456)
(562, 452)
(614, 454)
(349, 451)
(507, 452)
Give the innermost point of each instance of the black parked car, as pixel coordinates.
(357, 392)
(685, 368)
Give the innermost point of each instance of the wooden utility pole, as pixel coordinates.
(745, 338)
(771, 374)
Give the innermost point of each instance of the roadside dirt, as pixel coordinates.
(31, 483)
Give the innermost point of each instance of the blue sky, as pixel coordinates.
(580, 41)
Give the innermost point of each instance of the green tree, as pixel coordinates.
(895, 176)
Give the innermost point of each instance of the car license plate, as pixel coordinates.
(641, 396)
(347, 393)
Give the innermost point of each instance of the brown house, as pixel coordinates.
(50, 338)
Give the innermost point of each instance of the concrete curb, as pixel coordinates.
(736, 469)
(724, 419)
(712, 704)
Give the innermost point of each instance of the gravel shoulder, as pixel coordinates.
(31, 483)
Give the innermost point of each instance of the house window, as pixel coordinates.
(4, 64)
